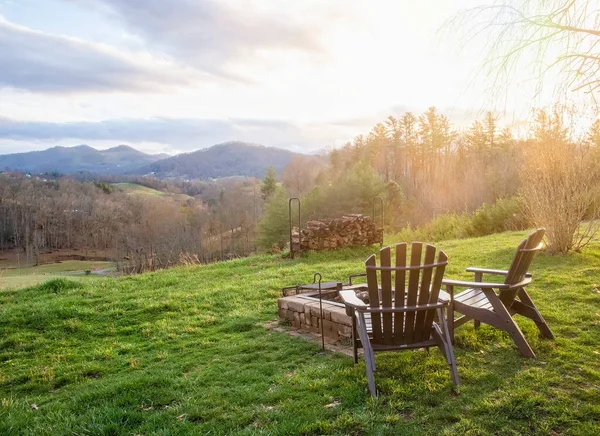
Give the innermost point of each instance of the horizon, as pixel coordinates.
(99, 73)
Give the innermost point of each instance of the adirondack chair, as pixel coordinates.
(402, 317)
(482, 303)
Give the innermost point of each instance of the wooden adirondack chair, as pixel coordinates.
(481, 303)
(402, 317)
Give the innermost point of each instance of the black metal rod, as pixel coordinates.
(320, 309)
(290, 219)
(377, 197)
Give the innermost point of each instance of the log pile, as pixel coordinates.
(353, 230)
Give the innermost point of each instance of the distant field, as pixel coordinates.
(15, 278)
(135, 189)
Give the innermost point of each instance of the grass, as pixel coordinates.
(135, 189)
(14, 278)
(184, 351)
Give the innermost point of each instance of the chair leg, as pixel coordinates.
(443, 336)
(450, 322)
(510, 326)
(368, 351)
(476, 323)
(369, 364)
(534, 314)
(452, 359)
(354, 340)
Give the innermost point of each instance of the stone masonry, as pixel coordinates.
(304, 314)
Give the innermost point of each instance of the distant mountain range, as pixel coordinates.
(82, 158)
(222, 160)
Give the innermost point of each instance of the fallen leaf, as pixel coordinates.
(180, 417)
(332, 405)
(34, 407)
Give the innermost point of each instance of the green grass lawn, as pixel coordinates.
(184, 351)
(14, 278)
(135, 189)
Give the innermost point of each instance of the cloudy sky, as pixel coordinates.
(179, 75)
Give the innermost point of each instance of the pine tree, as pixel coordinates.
(269, 184)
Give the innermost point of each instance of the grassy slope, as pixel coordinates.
(184, 351)
(144, 191)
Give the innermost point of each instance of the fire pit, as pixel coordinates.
(303, 311)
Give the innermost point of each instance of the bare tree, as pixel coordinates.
(556, 37)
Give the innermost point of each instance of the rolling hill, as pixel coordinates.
(221, 160)
(82, 158)
(229, 159)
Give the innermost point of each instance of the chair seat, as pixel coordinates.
(470, 297)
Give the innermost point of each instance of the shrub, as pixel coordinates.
(59, 285)
(504, 214)
(559, 183)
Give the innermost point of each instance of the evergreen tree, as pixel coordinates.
(269, 184)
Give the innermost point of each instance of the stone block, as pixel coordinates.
(296, 303)
(315, 310)
(344, 331)
(307, 320)
(309, 305)
(339, 316)
(282, 303)
(296, 320)
(329, 326)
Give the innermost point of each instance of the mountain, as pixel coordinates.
(67, 160)
(221, 160)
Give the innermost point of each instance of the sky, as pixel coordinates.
(180, 75)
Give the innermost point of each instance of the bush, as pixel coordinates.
(59, 285)
(505, 214)
(559, 183)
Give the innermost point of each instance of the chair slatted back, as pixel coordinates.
(421, 287)
(521, 262)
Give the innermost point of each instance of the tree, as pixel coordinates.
(592, 139)
(559, 37)
(269, 184)
(274, 225)
(299, 175)
(560, 184)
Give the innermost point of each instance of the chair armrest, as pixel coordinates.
(477, 285)
(501, 272)
(350, 299)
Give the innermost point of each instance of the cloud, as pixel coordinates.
(179, 134)
(216, 35)
(41, 62)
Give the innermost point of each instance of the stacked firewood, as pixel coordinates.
(348, 231)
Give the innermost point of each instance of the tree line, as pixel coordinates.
(139, 232)
(424, 167)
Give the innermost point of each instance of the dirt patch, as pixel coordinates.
(340, 346)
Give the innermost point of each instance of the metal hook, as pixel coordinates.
(320, 309)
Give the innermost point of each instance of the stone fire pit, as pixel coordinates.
(303, 312)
